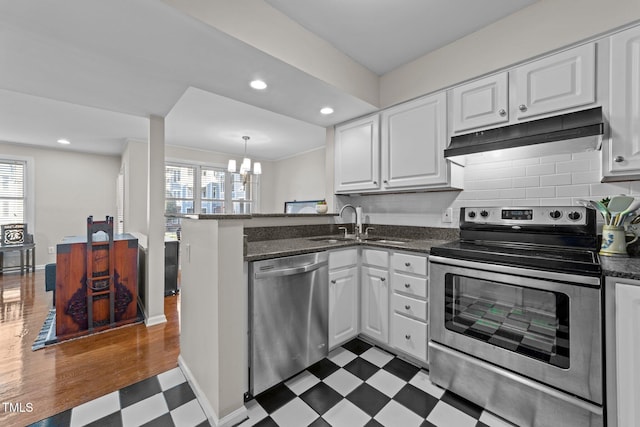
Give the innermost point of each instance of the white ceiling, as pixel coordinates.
(93, 71)
(384, 34)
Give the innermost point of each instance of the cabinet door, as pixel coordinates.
(413, 140)
(559, 82)
(343, 305)
(623, 156)
(481, 103)
(628, 353)
(357, 155)
(375, 304)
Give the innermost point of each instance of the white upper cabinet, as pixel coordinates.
(357, 155)
(481, 103)
(621, 154)
(413, 137)
(562, 82)
(558, 82)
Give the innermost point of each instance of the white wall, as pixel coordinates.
(542, 27)
(69, 186)
(134, 165)
(300, 177)
(560, 179)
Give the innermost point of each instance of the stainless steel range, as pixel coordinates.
(516, 314)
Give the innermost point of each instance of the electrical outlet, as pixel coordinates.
(447, 215)
(52, 250)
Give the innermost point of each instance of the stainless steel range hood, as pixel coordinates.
(578, 131)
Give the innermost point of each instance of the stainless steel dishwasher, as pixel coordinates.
(288, 317)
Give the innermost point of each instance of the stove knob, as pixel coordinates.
(555, 214)
(484, 214)
(574, 216)
(472, 214)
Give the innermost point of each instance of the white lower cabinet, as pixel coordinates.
(409, 302)
(409, 335)
(623, 352)
(343, 296)
(375, 295)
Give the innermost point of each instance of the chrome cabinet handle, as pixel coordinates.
(522, 107)
(375, 182)
(407, 307)
(502, 112)
(407, 264)
(333, 281)
(619, 159)
(382, 279)
(385, 181)
(407, 285)
(407, 336)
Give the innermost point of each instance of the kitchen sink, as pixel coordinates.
(332, 239)
(383, 240)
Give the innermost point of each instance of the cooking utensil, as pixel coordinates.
(618, 204)
(627, 212)
(636, 220)
(602, 209)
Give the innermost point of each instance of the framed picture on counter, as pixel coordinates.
(13, 234)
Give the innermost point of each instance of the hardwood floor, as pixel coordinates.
(59, 377)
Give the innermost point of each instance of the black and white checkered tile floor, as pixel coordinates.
(357, 385)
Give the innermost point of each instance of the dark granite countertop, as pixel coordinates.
(248, 216)
(625, 267)
(267, 249)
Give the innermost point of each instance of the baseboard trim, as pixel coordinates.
(155, 320)
(234, 418)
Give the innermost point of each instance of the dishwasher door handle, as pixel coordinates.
(290, 271)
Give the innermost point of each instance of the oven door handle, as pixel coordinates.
(592, 281)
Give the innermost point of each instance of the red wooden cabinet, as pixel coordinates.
(71, 287)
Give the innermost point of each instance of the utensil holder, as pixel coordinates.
(614, 240)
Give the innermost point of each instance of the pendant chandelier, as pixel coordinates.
(245, 166)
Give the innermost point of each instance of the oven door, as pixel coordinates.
(543, 325)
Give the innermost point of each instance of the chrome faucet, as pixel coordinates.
(356, 225)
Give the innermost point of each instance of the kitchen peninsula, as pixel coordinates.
(213, 340)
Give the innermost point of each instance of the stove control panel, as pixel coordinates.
(537, 215)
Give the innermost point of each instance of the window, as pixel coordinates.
(13, 198)
(213, 197)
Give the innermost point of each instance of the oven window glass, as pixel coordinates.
(528, 321)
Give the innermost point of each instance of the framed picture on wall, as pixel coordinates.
(13, 234)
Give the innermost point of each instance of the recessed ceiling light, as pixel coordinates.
(258, 84)
(326, 110)
(64, 141)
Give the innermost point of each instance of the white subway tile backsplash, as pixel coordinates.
(541, 169)
(585, 177)
(525, 202)
(487, 194)
(610, 189)
(634, 187)
(558, 179)
(541, 192)
(494, 173)
(555, 158)
(574, 166)
(525, 162)
(572, 190)
(527, 181)
(512, 193)
(556, 201)
(489, 184)
(585, 155)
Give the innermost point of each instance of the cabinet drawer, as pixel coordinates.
(410, 306)
(343, 258)
(410, 336)
(415, 264)
(375, 257)
(415, 286)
